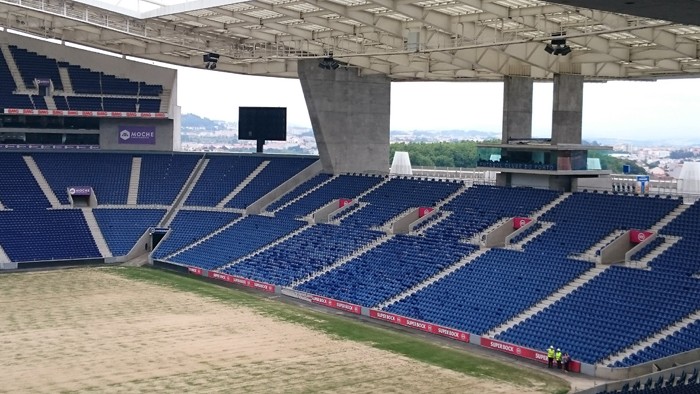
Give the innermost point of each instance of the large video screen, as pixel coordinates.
(262, 123)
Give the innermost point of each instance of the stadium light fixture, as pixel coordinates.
(210, 60)
(558, 46)
(329, 63)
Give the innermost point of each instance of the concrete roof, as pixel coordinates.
(404, 39)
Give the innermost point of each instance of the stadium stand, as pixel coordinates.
(121, 228)
(235, 241)
(490, 290)
(163, 176)
(222, 174)
(609, 313)
(682, 257)
(683, 340)
(396, 196)
(33, 66)
(387, 270)
(481, 206)
(685, 383)
(189, 226)
(298, 191)
(18, 188)
(344, 186)
(273, 175)
(43, 235)
(7, 87)
(106, 173)
(301, 255)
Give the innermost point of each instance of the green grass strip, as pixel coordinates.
(352, 329)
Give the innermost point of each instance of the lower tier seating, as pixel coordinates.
(189, 226)
(121, 228)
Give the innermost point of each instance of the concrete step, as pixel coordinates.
(14, 70)
(447, 271)
(185, 191)
(134, 179)
(544, 303)
(667, 331)
(43, 184)
(65, 80)
(96, 232)
(243, 184)
(301, 196)
(643, 263)
(266, 247)
(357, 253)
(539, 213)
(476, 238)
(544, 226)
(668, 218)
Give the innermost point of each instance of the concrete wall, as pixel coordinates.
(567, 112)
(404, 224)
(109, 134)
(529, 180)
(615, 251)
(517, 108)
(350, 117)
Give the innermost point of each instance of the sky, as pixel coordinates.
(624, 109)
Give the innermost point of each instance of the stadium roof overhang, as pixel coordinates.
(404, 39)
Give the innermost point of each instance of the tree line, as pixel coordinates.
(464, 154)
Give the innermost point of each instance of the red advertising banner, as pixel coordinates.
(520, 222)
(331, 303)
(420, 325)
(195, 270)
(422, 211)
(637, 237)
(343, 202)
(574, 366)
(242, 281)
(105, 114)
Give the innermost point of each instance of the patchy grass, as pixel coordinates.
(352, 329)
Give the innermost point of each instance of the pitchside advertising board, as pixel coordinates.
(234, 279)
(574, 366)
(420, 325)
(140, 135)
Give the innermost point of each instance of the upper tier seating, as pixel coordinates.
(303, 254)
(189, 226)
(240, 239)
(585, 218)
(273, 175)
(298, 191)
(490, 290)
(7, 87)
(387, 270)
(18, 188)
(344, 186)
(396, 196)
(222, 174)
(163, 176)
(39, 234)
(107, 174)
(683, 257)
(614, 310)
(481, 206)
(121, 228)
(34, 66)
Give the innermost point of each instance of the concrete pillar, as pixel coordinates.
(517, 108)
(350, 117)
(568, 109)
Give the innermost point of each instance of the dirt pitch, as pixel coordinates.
(88, 330)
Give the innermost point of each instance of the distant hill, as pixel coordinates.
(195, 122)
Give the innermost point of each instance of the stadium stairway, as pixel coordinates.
(540, 212)
(266, 247)
(290, 202)
(199, 241)
(243, 184)
(454, 267)
(544, 226)
(344, 215)
(643, 263)
(96, 232)
(43, 184)
(2, 207)
(12, 65)
(551, 299)
(134, 179)
(668, 218)
(357, 253)
(4, 258)
(668, 331)
(185, 191)
(164, 100)
(65, 80)
(441, 215)
(591, 254)
(50, 102)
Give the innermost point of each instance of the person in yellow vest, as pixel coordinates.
(557, 356)
(550, 356)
